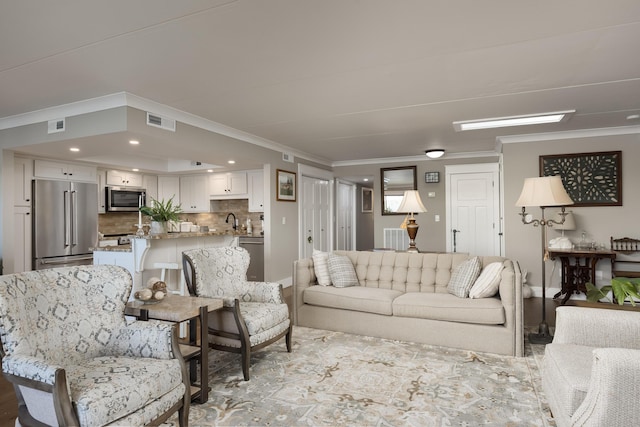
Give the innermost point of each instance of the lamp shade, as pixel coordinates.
(569, 223)
(544, 191)
(411, 202)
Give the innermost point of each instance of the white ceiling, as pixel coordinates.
(337, 80)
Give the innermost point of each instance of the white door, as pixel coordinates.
(345, 212)
(473, 209)
(315, 229)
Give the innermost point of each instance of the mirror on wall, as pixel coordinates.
(395, 181)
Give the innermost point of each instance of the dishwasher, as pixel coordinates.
(255, 247)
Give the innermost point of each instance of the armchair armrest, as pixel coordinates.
(151, 338)
(32, 368)
(597, 327)
(611, 399)
(265, 292)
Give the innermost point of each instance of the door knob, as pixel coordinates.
(310, 239)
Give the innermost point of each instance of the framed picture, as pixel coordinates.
(431, 177)
(286, 185)
(367, 199)
(591, 179)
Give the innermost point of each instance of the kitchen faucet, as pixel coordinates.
(235, 221)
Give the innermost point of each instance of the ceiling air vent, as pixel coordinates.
(54, 126)
(161, 122)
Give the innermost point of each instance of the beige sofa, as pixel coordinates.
(404, 296)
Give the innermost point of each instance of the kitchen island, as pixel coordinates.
(142, 255)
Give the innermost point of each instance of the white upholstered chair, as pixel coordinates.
(75, 361)
(254, 314)
(591, 370)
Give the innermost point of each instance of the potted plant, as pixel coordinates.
(161, 213)
(622, 288)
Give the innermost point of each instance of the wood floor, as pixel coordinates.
(8, 403)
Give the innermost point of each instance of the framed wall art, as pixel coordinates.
(286, 185)
(431, 177)
(367, 199)
(591, 179)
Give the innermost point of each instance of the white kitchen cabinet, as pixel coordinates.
(22, 176)
(150, 183)
(101, 178)
(168, 187)
(21, 239)
(124, 178)
(64, 171)
(255, 186)
(194, 193)
(228, 184)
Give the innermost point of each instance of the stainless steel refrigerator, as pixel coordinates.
(65, 223)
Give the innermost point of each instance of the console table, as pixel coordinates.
(176, 308)
(578, 268)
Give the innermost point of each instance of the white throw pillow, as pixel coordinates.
(463, 277)
(488, 283)
(321, 267)
(342, 272)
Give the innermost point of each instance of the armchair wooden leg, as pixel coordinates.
(246, 361)
(288, 338)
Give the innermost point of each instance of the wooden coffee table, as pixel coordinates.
(176, 308)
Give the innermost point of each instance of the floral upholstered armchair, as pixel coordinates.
(254, 313)
(75, 361)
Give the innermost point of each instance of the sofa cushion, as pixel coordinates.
(438, 306)
(356, 298)
(568, 368)
(488, 283)
(342, 272)
(321, 267)
(463, 277)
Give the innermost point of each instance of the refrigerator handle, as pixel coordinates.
(67, 220)
(74, 218)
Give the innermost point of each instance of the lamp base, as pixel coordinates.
(543, 336)
(412, 230)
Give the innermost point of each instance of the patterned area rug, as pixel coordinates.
(337, 379)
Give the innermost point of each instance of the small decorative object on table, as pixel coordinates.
(155, 292)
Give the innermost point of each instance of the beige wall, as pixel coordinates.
(523, 242)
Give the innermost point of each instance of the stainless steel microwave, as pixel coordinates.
(125, 199)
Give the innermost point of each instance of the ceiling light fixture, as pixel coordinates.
(232, 162)
(434, 154)
(74, 149)
(135, 170)
(500, 122)
(134, 142)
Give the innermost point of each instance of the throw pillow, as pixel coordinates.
(488, 283)
(321, 267)
(342, 272)
(463, 277)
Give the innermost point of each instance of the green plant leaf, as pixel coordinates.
(595, 294)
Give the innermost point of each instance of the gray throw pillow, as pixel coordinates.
(463, 277)
(341, 271)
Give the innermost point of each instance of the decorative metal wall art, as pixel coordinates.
(591, 179)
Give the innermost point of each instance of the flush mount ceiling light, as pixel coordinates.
(501, 122)
(434, 154)
(134, 142)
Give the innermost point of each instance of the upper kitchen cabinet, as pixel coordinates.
(102, 191)
(168, 187)
(194, 193)
(23, 174)
(256, 191)
(123, 178)
(150, 183)
(64, 171)
(222, 185)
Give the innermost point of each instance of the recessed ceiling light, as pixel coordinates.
(500, 122)
(135, 170)
(366, 180)
(633, 117)
(209, 170)
(74, 149)
(232, 162)
(134, 142)
(434, 154)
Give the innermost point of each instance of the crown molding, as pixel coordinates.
(569, 134)
(418, 158)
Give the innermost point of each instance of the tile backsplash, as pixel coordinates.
(125, 222)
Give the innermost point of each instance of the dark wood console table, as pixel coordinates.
(578, 268)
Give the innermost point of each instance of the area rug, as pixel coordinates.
(338, 379)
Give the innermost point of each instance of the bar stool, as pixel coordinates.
(165, 273)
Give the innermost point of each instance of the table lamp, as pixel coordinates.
(411, 204)
(543, 192)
